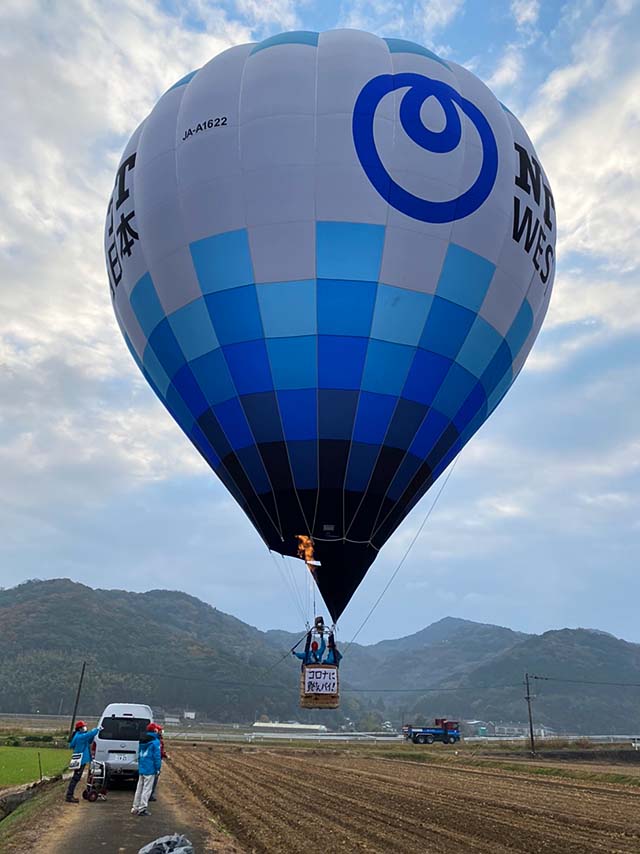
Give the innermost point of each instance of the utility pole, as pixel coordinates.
(75, 705)
(528, 698)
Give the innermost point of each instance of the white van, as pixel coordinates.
(117, 743)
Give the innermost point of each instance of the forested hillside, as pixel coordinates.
(176, 652)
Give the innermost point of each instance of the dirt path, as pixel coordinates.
(108, 826)
(276, 800)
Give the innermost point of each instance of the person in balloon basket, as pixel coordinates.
(80, 743)
(312, 653)
(333, 655)
(149, 765)
(163, 755)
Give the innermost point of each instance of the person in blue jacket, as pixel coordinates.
(80, 743)
(312, 653)
(149, 764)
(334, 655)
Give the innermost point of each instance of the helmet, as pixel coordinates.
(79, 725)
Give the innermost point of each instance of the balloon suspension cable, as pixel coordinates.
(287, 653)
(290, 584)
(406, 554)
(306, 553)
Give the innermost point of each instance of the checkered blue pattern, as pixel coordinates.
(327, 347)
(389, 381)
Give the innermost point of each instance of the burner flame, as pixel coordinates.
(305, 552)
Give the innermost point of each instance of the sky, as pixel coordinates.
(538, 526)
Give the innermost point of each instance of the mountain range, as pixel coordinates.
(176, 652)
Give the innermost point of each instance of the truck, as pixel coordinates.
(448, 732)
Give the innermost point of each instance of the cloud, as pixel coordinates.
(604, 300)
(508, 70)
(96, 476)
(525, 12)
(384, 17)
(435, 15)
(56, 173)
(282, 14)
(587, 312)
(585, 121)
(78, 423)
(422, 20)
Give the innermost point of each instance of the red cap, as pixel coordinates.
(152, 728)
(80, 724)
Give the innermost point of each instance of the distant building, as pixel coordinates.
(477, 728)
(511, 729)
(517, 730)
(189, 716)
(171, 720)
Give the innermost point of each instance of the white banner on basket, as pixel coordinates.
(321, 680)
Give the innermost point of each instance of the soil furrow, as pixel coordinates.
(289, 801)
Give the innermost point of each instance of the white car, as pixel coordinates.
(117, 743)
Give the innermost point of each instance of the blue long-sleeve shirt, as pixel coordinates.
(312, 657)
(81, 741)
(149, 758)
(333, 656)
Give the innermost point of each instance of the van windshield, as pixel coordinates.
(123, 729)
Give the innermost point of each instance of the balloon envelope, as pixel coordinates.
(330, 255)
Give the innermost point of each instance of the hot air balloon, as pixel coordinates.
(330, 255)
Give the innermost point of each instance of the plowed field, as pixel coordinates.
(287, 801)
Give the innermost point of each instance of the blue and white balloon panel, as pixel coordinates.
(330, 255)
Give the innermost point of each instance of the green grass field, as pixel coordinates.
(20, 764)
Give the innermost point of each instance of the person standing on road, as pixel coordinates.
(149, 764)
(80, 743)
(163, 755)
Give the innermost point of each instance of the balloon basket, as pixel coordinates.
(319, 687)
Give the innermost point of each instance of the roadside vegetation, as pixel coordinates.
(20, 764)
(18, 829)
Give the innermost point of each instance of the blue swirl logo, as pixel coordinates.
(441, 142)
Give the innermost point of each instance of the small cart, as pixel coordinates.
(96, 787)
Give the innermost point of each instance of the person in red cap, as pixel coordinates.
(80, 743)
(149, 765)
(312, 654)
(163, 755)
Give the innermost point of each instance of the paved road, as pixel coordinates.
(109, 827)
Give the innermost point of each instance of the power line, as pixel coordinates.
(586, 681)
(230, 683)
(237, 684)
(427, 690)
